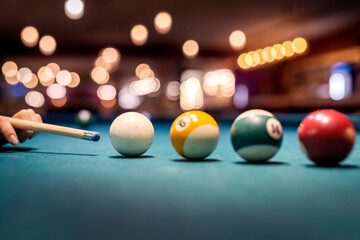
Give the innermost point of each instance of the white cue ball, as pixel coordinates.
(131, 134)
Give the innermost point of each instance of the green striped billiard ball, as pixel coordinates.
(256, 135)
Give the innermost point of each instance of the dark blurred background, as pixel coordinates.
(285, 56)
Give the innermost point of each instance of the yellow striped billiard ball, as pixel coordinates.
(194, 135)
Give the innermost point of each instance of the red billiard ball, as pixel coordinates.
(326, 136)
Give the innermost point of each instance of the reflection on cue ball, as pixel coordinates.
(131, 134)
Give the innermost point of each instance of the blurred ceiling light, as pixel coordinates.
(299, 45)
(139, 35)
(54, 67)
(241, 96)
(75, 80)
(276, 52)
(33, 82)
(191, 95)
(286, 49)
(63, 78)
(256, 58)
(56, 91)
(12, 80)
(108, 103)
(266, 54)
(173, 90)
(9, 69)
(140, 68)
(74, 9)
(237, 40)
(241, 61)
(24, 75)
(163, 22)
(100, 62)
(47, 45)
(111, 55)
(34, 99)
(100, 75)
(190, 73)
(259, 52)
(146, 73)
(190, 49)
(29, 36)
(106, 92)
(249, 60)
(59, 102)
(46, 76)
(127, 100)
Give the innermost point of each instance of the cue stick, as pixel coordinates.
(53, 129)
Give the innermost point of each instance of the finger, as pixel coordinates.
(36, 118)
(8, 132)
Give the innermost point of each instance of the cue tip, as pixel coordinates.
(92, 136)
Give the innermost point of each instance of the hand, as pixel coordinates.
(9, 134)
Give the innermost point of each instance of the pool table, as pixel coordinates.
(53, 187)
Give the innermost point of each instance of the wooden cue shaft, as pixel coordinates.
(53, 129)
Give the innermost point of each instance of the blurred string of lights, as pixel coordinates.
(273, 53)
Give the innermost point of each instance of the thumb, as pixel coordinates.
(8, 131)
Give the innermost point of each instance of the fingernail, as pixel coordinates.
(13, 140)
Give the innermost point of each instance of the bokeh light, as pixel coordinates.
(163, 22)
(75, 80)
(287, 49)
(46, 76)
(173, 90)
(106, 92)
(24, 75)
(108, 103)
(139, 35)
(12, 80)
(35, 99)
(266, 54)
(140, 68)
(56, 91)
(33, 82)
(110, 55)
(74, 9)
(29, 36)
(9, 69)
(59, 102)
(190, 49)
(63, 78)
(299, 45)
(276, 52)
(191, 94)
(55, 68)
(127, 100)
(47, 45)
(237, 40)
(241, 61)
(100, 75)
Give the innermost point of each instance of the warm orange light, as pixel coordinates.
(29, 36)
(9, 69)
(60, 102)
(266, 54)
(299, 45)
(140, 68)
(190, 49)
(100, 75)
(54, 67)
(47, 45)
(163, 22)
(75, 80)
(276, 52)
(139, 35)
(259, 52)
(241, 61)
(237, 40)
(46, 76)
(287, 49)
(33, 82)
(108, 103)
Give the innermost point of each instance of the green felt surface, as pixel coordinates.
(54, 187)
